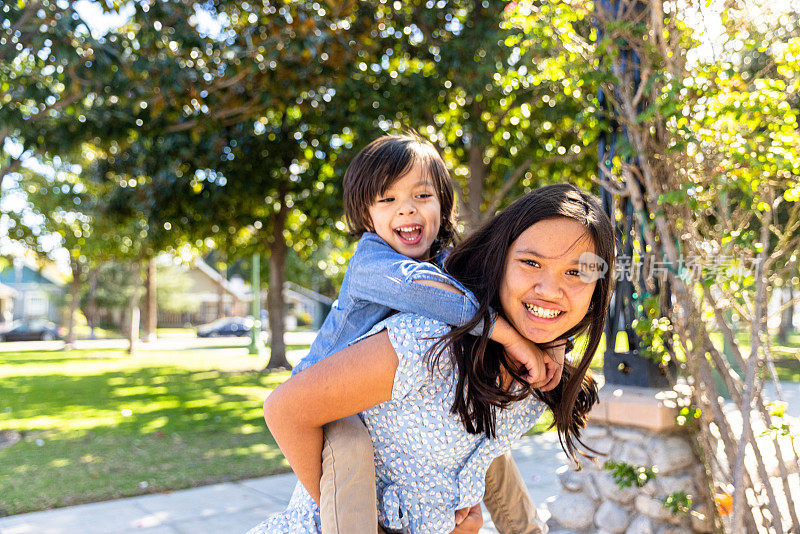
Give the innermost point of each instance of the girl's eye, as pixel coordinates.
(387, 199)
(424, 195)
(574, 272)
(532, 263)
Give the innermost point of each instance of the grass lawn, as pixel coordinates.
(98, 424)
(786, 355)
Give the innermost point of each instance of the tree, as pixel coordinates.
(52, 73)
(489, 84)
(231, 164)
(62, 209)
(716, 154)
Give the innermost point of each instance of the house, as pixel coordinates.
(38, 291)
(215, 297)
(7, 296)
(301, 301)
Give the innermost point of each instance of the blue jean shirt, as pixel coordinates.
(378, 281)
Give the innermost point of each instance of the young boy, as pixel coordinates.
(398, 199)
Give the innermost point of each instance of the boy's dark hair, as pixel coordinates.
(479, 262)
(383, 162)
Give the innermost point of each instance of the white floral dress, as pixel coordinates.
(427, 465)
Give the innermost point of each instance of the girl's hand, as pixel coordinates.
(468, 520)
(522, 351)
(531, 360)
(554, 363)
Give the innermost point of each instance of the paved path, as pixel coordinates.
(234, 507)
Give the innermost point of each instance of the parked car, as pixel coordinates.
(227, 326)
(32, 330)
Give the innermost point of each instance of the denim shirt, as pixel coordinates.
(379, 280)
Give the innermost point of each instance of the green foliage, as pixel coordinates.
(678, 503)
(780, 426)
(627, 475)
(687, 415)
(654, 331)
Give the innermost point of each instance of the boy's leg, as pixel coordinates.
(508, 501)
(348, 503)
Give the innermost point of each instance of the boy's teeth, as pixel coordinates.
(542, 312)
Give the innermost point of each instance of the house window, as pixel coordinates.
(35, 305)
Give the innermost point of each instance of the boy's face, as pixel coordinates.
(408, 215)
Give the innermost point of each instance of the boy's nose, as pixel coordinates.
(407, 209)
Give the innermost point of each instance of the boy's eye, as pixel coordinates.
(574, 272)
(424, 195)
(387, 199)
(532, 263)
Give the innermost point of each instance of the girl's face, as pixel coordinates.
(408, 215)
(550, 275)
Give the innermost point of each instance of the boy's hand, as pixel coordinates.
(468, 520)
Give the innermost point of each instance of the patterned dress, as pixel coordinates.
(427, 465)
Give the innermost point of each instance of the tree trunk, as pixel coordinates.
(787, 315)
(73, 302)
(151, 306)
(92, 305)
(277, 277)
(477, 175)
(133, 309)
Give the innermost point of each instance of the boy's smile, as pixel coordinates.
(408, 214)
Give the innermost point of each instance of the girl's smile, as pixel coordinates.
(545, 291)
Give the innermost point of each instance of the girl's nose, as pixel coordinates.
(547, 287)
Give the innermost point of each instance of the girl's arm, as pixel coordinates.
(346, 383)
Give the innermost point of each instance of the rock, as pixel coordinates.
(602, 445)
(573, 510)
(640, 525)
(673, 530)
(593, 432)
(635, 454)
(671, 454)
(628, 434)
(611, 517)
(652, 508)
(672, 484)
(570, 479)
(590, 487)
(611, 491)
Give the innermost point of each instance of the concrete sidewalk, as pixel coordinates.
(235, 507)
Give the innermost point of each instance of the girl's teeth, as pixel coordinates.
(543, 312)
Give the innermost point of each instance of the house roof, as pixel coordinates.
(220, 280)
(6, 291)
(47, 271)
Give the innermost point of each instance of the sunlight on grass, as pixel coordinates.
(106, 422)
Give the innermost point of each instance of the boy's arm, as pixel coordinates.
(381, 275)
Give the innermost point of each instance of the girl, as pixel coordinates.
(440, 403)
(398, 199)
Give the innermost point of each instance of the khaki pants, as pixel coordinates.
(348, 504)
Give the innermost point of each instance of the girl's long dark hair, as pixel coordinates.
(479, 262)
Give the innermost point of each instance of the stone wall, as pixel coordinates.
(592, 502)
